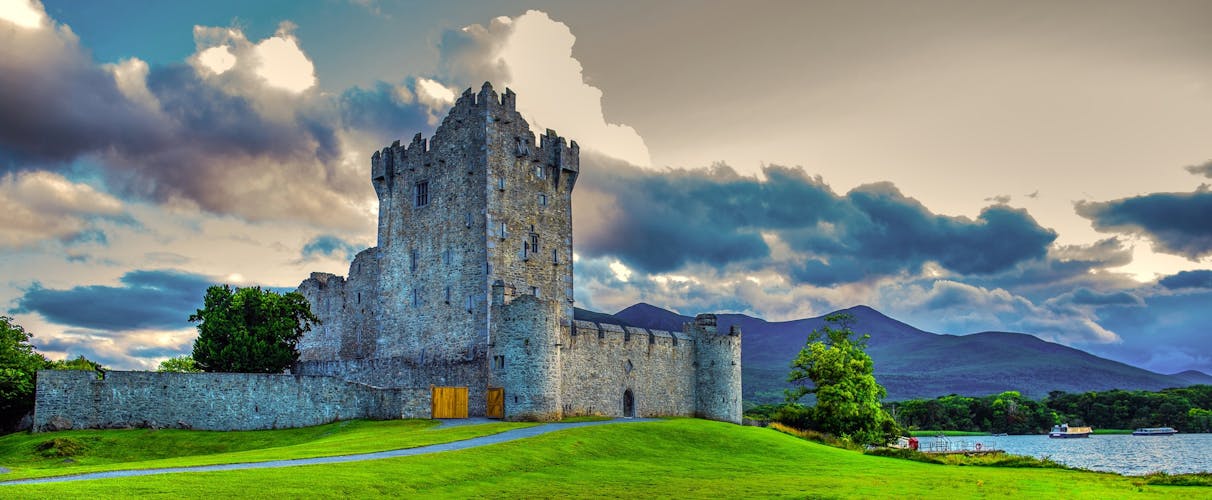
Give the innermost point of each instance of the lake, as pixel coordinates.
(1119, 453)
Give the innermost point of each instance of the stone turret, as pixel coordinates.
(526, 355)
(718, 370)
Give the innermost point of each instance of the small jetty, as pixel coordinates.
(942, 445)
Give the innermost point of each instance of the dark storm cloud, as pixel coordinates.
(1176, 223)
(661, 221)
(1204, 169)
(382, 111)
(1201, 278)
(226, 143)
(329, 246)
(146, 299)
(56, 103)
(1087, 297)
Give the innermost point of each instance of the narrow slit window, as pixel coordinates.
(504, 231)
(468, 222)
(501, 183)
(555, 256)
(412, 260)
(422, 193)
(448, 294)
(416, 297)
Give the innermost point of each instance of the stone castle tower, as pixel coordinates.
(471, 286)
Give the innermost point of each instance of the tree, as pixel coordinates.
(80, 363)
(250, 330)
(19, 365)
(179, 364)
(835, 361)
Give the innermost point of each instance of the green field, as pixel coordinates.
(147, 449)
(673, 458)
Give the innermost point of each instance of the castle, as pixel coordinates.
(470, 286)
(464, 308)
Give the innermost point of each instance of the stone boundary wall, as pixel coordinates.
(409, 374)
(69, 399)
(602, 361)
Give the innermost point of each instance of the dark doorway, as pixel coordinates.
(628, 404)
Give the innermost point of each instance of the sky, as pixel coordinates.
(1037, 167)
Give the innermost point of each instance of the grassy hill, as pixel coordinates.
(683, 458)
(913, 363)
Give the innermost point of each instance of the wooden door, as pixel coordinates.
(496, 402)
(449, 402)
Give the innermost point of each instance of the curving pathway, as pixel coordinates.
(510, 435)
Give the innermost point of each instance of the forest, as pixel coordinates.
(1188, 409)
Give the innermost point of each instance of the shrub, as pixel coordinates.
(61, 447)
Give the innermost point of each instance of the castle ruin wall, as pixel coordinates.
(72, 399)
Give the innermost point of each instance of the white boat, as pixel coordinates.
(1064, 431)
(1154, 431)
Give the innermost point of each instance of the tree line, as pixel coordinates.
(1188, 409)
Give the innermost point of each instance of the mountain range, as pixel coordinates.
(912, 363)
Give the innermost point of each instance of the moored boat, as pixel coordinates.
(1154, 431)
(1064, 431)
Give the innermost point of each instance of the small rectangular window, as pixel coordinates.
(422, 193)
(501, 183)
(534, 290)
(525, 250)
(468, 222)
(470, 303)
(504, 231)
(412, 260)
(448, 294)
(538, 171)
(542, 200)
(534, 242)
(446, 256)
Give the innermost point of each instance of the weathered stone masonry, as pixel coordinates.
(470, 285)
(71, 399)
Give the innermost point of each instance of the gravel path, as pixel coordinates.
(510, 435)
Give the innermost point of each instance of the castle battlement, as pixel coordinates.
(474, 265)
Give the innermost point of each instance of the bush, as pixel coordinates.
(61, 447)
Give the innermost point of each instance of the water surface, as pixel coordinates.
(1119, 453)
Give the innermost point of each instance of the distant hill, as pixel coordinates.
(1194, 377)
(912, 363)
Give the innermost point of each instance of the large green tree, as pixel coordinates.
(19, 365)
(835, 367)
(250, 330)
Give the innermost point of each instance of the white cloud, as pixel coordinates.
(217, 59)
(532, 54)
(131, 77)
(434, 96)
(229, 60)
(282, 63)
(23, 13)
(35, 206)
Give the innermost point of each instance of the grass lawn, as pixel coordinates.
(674, 458)
(146, 449)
